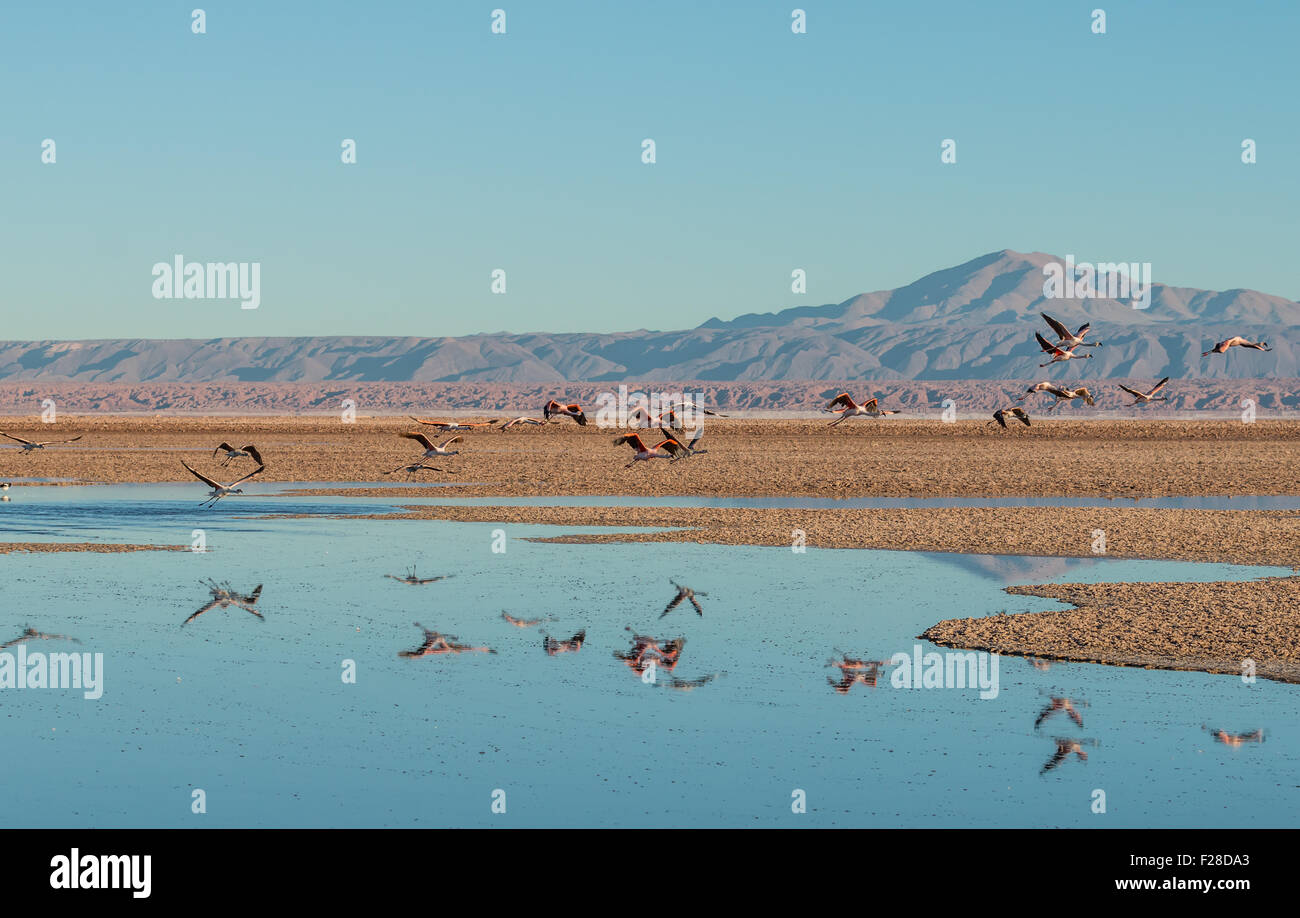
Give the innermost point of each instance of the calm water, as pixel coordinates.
(256, 714)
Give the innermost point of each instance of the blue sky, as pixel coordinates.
(522, 151)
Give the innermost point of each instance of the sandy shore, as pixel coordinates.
(1231, 536)
(1211, 627)
(886, 457)
(99, 547)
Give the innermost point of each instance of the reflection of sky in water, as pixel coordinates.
(256, 714)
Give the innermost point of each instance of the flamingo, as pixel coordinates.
(516, 422)
(220, 490)
(417, 581)
(690, 449)
(684, 592)
(692, 406)
(667, 448)
(1236, 341)
(1058, 354)
(641, 417)
(569, 411)
(232, 453)
(31, 634)
(430, 449)
(1063, 394)
(1066, 339)
(1001, 415)
(29, 445)
(572, 645)
(852, 409)
(223, 597)
(1144, 397)
(436, 643)
(1036, 388)
(446, 426)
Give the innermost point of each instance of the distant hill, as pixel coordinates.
(974, 321)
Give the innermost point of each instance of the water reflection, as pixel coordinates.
(1059, 705)
(223, 597)
(521, 622)
(436, 644)
(31, 634)
(553, 646)
(1065, 747)
(413, 580)
(854, 671)
(1236, 739)
(647, 651)
(684, 592)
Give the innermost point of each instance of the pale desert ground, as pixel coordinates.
(1186, 626)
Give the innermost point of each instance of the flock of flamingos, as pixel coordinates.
(648, 655)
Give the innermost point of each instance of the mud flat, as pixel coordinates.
(788, 458)
(96, 547)
(1224, 536)
(1210, 627)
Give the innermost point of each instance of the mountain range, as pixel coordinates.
(974, 321)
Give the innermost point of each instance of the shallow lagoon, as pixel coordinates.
(256, 714)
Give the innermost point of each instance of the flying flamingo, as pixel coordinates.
(1236, 341)
(1058, 354)
(1063, 394)
(517, 422)
(690, 449)
(220, 490)
(1001, 415)
(641, 417)
(1035, 389)
(1148, 396)
(690, 406)
(553, 408)
(446, 426)
(29, 445)
(1066, 339)
(851, 409)
(668, 448)
(232, 453)
(430, 449)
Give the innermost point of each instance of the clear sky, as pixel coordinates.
(522, 151)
